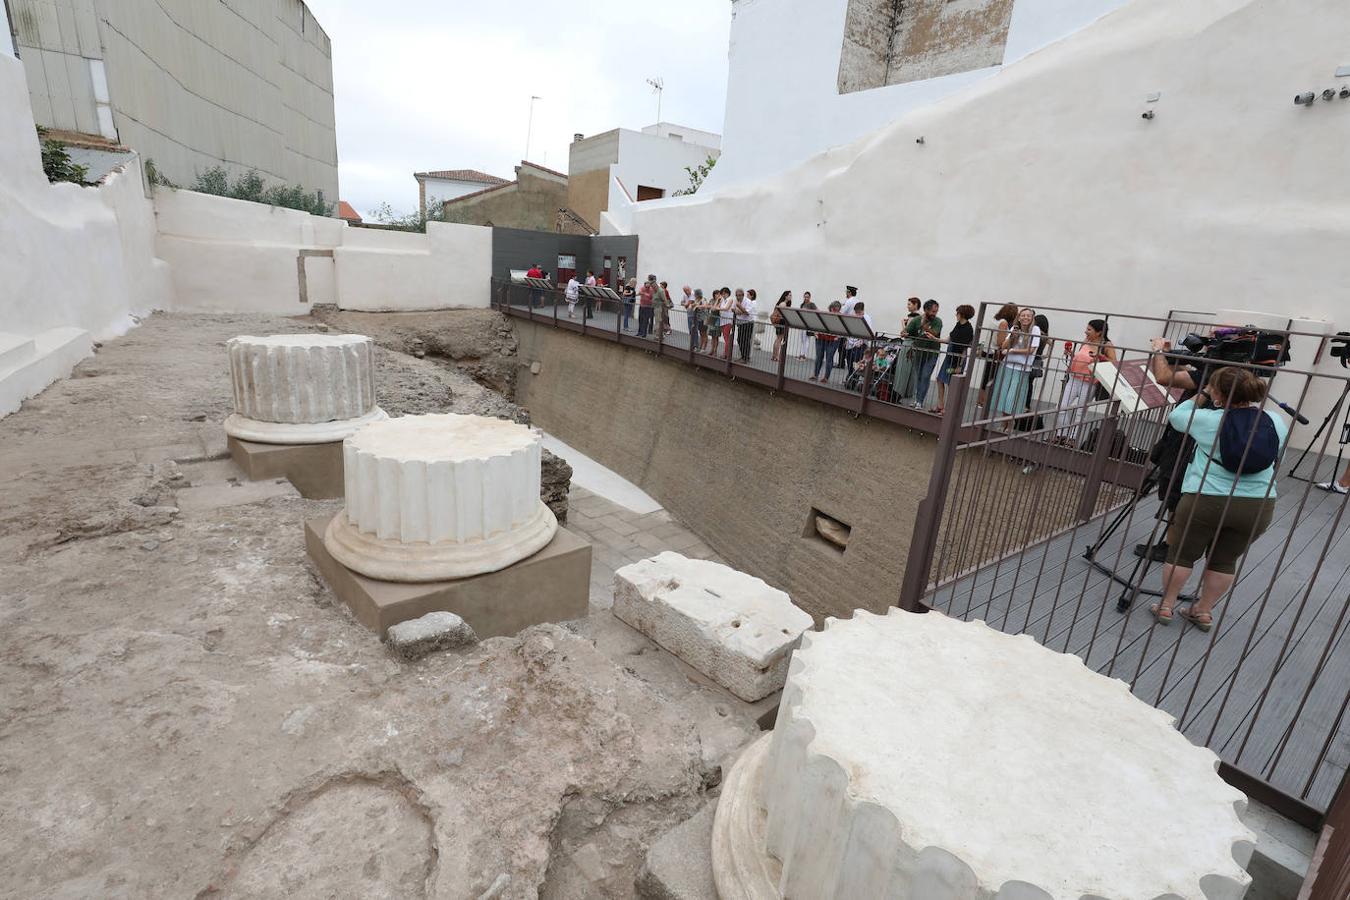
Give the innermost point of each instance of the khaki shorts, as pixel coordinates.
(1218, 528)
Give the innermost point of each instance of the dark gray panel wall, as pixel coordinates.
(514, 248)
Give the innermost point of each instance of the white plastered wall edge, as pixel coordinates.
(1044, 185)
(78, 262)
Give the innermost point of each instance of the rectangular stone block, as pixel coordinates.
(314, 469)
(553, 585)
(730, 626)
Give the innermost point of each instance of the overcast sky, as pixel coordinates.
(430, 84)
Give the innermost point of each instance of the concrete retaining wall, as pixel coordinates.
(231, 255)
(741, 466)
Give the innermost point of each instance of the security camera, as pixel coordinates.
(1305, 99)
(1147, 115)
(1329, 94)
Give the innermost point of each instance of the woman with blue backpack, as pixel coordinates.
(1228, 495)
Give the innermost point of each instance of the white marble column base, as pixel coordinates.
(393, 560)
(742, 866)
(245, 429)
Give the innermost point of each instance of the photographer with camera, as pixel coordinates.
(1174, 449)
(1228, 492)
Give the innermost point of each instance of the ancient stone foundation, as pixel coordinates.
(439, 497)
(921, 756)
(301, 388)
(730, 626)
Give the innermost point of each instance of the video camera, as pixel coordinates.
(1237, 345)
(1340, 348)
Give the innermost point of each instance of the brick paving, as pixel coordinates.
(620, 536)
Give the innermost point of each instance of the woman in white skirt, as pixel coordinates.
(1018, 348)
(1082, 382)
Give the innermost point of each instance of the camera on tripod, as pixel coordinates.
(1340, 348)
(1237, 345)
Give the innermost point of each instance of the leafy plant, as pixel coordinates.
(386, 215)
(251, 186)
(155, 176)
(56, 161)
(696, 176)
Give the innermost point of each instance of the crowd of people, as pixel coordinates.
(1216, 480)
(903, 368)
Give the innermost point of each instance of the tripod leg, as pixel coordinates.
(1132, 586)
(1125, 511)
(1317, 436)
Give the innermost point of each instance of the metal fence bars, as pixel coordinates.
(1048, 510)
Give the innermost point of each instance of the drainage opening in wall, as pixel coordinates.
(827, 530)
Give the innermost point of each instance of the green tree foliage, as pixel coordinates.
(696, 176)
(155, 176)
(386, 215)
(251, 186)
(56, 161)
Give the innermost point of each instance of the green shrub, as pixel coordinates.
(251, 186)
(56, 161)
(155, 176)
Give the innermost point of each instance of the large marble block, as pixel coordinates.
(922, 756)
(301, 388)
(730, 626)
(437, 497)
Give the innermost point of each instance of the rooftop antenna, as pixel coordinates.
(658, 85)
(529, 129)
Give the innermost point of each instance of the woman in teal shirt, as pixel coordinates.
(1221, 511)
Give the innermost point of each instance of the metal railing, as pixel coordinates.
(859, 379)
(1030, 523)
(1033, 509)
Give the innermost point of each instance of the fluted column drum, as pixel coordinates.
(919, 756)
(436, 497)
(301, 388)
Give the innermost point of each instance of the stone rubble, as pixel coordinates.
(416, 638)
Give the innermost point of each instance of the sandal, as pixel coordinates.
(1161, 614)
(1203, 621)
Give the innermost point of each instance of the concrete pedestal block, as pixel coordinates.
(731, 626)
(552, 585)
(314, 469)
(437, 497)
(301, 388)
(921, 756)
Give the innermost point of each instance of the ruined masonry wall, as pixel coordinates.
(740, 466)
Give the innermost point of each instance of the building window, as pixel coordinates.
(898, 41)
(649, 193)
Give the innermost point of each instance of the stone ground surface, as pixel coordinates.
(187, 713)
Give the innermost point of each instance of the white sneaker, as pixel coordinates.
(1334, 487)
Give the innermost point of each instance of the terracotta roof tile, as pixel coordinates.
(345, 211)
(526, 162)
(472, 175)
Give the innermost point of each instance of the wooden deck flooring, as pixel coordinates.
(1266, 689)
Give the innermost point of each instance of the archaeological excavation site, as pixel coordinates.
(920, 470)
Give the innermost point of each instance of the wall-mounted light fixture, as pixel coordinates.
(1345, 93)
(1147, 115)
(1329, 94)
(1305, 99)
(919, 139)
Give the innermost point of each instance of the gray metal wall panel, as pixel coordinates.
(58, 89)
(515, 248)
(81, 94)
(245, 84)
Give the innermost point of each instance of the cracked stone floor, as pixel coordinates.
(184, 711)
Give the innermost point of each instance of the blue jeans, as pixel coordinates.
(824, 355)
(627, 314)
(927, 360)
